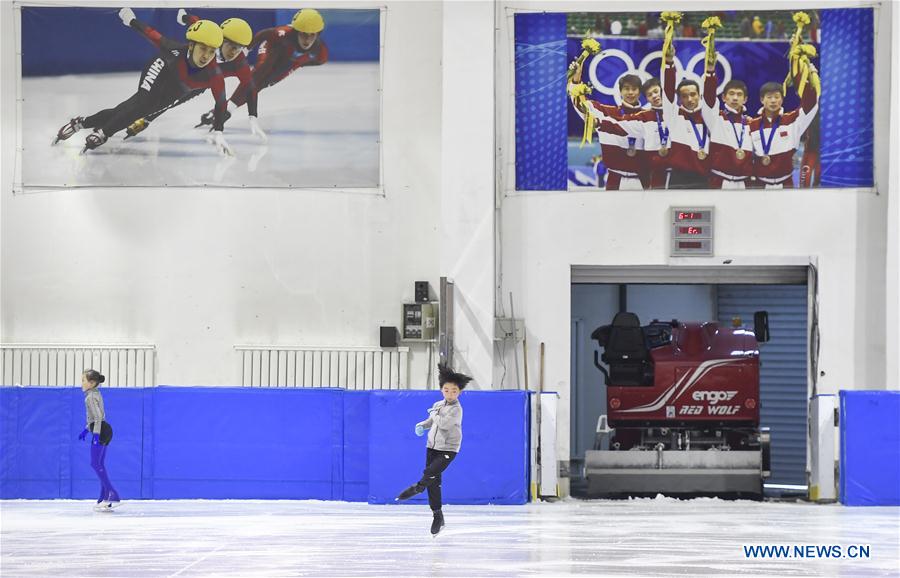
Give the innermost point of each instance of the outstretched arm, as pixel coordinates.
(809, 101)
(668, 80)
(709, 104)
(151, 34)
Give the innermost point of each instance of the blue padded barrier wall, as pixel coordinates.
(241, 443)
(9, 444)
(149, 440)
(223, 442)
(33, 452)
(870, 448)
(491, 468)
(40, 455)
(123, 456)
(356, 446)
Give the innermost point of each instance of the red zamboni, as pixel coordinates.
(682, 410)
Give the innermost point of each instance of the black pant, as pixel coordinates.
(435, 463)
(158, 88)
(180, 101)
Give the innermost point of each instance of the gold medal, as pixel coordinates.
(701, 154)
(766, 160)
(663, 151)
(740, 154)
(631, 152)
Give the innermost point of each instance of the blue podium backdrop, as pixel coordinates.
(241, 443)
(546, 121)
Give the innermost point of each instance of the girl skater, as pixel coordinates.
(444, 425)
(101, 435)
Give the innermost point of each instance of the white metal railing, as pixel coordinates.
(345, 367)
(52, 364)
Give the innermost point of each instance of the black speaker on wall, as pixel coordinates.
(389, 337)
(421, 291)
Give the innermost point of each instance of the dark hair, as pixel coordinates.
(650, 83)
(632, 79)
(771, 87)
(94, 375)
(447, 375)
(687, 82)
(735, 85)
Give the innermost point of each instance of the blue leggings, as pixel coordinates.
(98, 457)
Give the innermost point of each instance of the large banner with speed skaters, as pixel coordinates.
(206, 96)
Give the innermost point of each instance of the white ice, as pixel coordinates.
(661, 537)
(322, 123)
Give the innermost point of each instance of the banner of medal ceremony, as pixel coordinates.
(694, 100)
(230, 97)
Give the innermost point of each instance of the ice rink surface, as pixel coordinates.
(322, 124)
(661, 537)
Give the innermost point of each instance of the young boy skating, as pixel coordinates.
(444, 425)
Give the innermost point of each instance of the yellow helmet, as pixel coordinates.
(238, 31)
(308, 21)
(205, 32)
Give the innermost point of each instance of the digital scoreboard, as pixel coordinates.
(692, 231)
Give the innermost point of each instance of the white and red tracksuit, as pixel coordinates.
(779, 137)
(688, 135)
(623, 170)
(650, 128)
(729, 132)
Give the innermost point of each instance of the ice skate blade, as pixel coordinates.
(106, 506)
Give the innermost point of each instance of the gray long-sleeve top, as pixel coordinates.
(93, 403)
(444, 425)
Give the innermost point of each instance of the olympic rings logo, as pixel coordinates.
(641, 71)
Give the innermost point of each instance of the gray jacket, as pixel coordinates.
(93, 403)
(444, 425)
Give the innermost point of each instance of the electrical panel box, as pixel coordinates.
(420, 321)
(507, 329)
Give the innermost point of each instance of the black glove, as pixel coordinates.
(208, 118)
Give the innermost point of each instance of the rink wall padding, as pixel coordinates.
(222, 442)
(355, 457)
(870, 448)
(491, 467)
(40, 454)
(260, 443)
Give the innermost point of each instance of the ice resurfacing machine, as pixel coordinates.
(682, 410)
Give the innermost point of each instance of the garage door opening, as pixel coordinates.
(699, 294)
